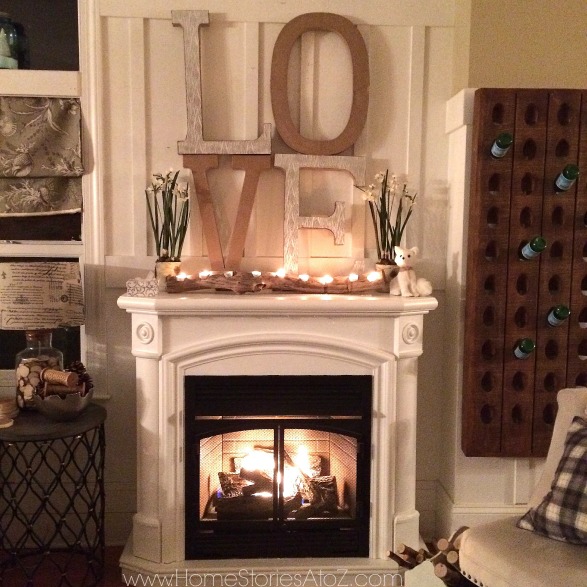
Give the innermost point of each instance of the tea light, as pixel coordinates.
(326, 279)
(373, 276)
(304, 277)
(353, 277)
(204, 274)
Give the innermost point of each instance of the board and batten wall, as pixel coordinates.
(137, 79)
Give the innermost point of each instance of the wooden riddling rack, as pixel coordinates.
(509, 404)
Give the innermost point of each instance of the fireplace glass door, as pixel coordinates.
(277, 466)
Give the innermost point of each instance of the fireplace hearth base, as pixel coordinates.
(214, 334)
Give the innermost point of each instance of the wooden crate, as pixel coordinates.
(509, 404)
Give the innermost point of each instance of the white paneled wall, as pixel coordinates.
(144, 115)
(136, 78)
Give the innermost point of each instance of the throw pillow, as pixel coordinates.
(562, 515)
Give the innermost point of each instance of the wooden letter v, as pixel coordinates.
(253, 165)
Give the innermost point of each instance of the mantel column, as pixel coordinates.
(407, 348)
(147, 348)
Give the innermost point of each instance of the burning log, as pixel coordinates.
(244, 508)
(256, 480)
(324, 492)
(324, 498)
(292, 504)
(232, 484)
(260, 482)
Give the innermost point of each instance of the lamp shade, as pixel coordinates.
(40, 295)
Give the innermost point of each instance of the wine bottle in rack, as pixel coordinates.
(524, 348)
(557, 315)
(566, 178)
(533, 248)
(501, 145)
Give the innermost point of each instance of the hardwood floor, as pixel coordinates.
(48, 572)
(112, 576)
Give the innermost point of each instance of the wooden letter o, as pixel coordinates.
(323, 21)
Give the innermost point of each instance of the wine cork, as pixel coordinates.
(67, 378)
(56, 389)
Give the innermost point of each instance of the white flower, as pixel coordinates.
(169, 211)
(393, 183)
(389, 212)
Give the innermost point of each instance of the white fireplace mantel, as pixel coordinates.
(271, 334)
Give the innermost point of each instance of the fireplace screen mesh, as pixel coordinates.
(244, 475)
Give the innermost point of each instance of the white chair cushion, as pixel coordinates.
(498, 554)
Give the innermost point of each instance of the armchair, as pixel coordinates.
(500, 554)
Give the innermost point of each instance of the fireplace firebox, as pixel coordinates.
(277, 466)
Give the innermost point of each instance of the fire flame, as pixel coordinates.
(264, 461)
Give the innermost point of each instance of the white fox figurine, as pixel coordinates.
(405, 282)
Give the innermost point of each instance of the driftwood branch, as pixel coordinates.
(255, 282)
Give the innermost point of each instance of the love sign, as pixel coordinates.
(201, 155)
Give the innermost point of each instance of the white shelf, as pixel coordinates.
(40, 82)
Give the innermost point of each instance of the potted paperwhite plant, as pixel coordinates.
(390, 210)
(169, 212)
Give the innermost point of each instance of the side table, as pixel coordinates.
(52, 500)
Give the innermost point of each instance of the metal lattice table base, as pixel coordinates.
(52, 501)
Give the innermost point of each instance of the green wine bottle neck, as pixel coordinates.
(533, 248)
(501, 145)
(558, 315)
(567, 178)
(524, 347)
